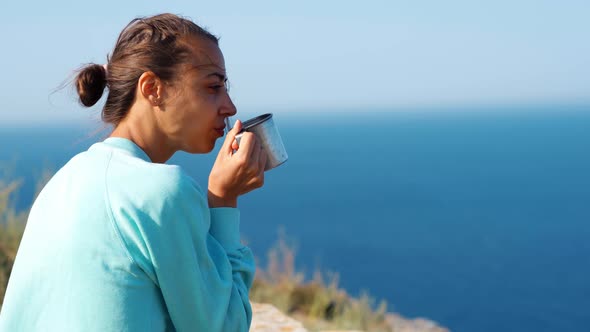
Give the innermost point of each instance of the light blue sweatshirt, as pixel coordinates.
(117, 243)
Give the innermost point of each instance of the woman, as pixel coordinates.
(120, 241)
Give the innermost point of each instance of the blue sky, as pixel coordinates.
(311, 55)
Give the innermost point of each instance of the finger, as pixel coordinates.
(248, 143)
(254, 156)
(255, 182)
(262, 160)
(230, 139)
(261, 178)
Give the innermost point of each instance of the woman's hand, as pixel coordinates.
(236, 173)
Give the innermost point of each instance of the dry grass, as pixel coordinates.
(318, 303)
(12, 224)
(11, 230)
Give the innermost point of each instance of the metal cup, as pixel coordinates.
(268, 135)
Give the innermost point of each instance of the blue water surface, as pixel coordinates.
(479, 220)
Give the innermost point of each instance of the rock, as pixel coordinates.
(267, 318)
(401, 324)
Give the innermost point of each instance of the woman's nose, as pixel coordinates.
(229, 108)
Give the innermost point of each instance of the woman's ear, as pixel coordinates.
(151, 88)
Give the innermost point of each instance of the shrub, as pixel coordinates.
(11, 229)
(318, 303)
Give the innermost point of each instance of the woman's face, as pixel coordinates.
(196, 105)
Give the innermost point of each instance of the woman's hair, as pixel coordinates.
(159, 44)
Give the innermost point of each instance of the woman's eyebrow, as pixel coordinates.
(222, 77)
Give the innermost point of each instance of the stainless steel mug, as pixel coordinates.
(268, 135)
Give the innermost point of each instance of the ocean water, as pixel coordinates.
(477, 219)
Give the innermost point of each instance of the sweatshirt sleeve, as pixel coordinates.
(194, 255)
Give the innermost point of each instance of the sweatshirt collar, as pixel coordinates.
(128, 146)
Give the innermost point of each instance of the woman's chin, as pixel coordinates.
(203, 148)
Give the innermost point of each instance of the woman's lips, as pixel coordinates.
(220, 131)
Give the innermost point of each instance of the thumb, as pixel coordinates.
(231, 136)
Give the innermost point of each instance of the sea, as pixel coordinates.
(476, 218)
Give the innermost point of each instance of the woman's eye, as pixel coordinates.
(216, 88)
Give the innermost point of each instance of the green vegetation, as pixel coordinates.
(318, 303)
(11, 230)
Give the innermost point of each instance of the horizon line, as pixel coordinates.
(449, 108)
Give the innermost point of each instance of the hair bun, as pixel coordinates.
(90, 84)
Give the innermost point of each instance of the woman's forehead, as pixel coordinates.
(206, 54)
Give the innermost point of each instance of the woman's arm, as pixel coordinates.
(195, 256)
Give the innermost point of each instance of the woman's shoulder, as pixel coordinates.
(154, 190)
(128, 177)
(151, 179)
